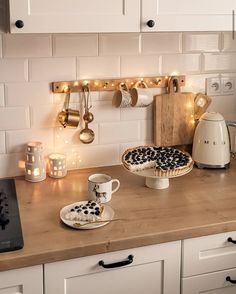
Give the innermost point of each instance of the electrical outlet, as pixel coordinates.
(213, 86)
(227, 86)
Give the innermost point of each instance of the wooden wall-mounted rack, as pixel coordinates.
(113, 84)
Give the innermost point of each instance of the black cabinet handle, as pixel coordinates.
(228, 279)
(151, 23)
(231, 240)
(129, 260)
(19, 24)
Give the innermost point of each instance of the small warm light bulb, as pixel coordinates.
(36, 172)
(60, 128)
(201, 102)
(66, 141)
(21, 164)
(189, 105)
(96, 84)
(174, 73)
(76, 83)
(65, 88)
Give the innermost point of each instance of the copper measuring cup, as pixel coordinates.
(69, 117)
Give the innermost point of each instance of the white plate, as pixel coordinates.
(107, 216)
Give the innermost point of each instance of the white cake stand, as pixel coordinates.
(155, 182)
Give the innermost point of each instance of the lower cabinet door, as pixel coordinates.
(222, 282)
(153, 270)
(28, 280)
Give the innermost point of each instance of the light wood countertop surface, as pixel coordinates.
(202, 202)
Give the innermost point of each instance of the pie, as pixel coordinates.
(89, 211)
(166, 161)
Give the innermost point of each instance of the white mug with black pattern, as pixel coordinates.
(100, 187)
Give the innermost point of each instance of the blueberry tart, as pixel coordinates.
(89, 211)
(165, 161)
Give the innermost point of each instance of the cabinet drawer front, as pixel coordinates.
(214, 283)
(28, 280)
(208, 254)
(151, 269)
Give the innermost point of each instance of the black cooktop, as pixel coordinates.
(10, 227)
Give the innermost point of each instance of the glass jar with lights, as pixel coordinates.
(35, 168)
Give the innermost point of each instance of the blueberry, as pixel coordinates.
(76, 207)
(91, 212)
(79, 210)
(97, 212)
(86, 212)
(72, 209)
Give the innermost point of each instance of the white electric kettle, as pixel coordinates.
(211, 143)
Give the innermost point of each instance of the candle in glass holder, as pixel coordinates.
(57, 165)
(35, 165)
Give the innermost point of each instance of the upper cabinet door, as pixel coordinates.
(188, 15)
(59, 16)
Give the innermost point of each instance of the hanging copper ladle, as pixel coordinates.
(87, 135)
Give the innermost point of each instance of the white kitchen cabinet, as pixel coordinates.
(59, 16)
(85, 16)
(209, 253)
(27, 280)
(213, 283)
(155, 270)
(209, 264)
(188, 15)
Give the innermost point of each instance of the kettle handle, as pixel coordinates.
(230, 124)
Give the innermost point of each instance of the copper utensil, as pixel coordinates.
(69, 117)
(87, 135)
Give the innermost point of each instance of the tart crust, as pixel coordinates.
(148, 161)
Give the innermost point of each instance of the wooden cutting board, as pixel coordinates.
(174, 117)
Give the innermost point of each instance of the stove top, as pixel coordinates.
(10, 225)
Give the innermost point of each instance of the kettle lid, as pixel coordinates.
(212, 116)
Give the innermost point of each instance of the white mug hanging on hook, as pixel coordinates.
(141, 96)
(122, 97)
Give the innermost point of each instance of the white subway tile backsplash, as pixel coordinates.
(75, 45)
(103, 155)
(136, 113)
(119, 44)
(180, 63)
(14, 118)
(10, 164)
(132, 66)
(34, 93)
(104, 111)
(13, 70)
(2, 99)
(27, 45)
(16, 141)
(219, 62)
(223, 104)
(117, 132)
(28, 109)
(147, 130)
(68, 138)
(156, 43)
(52, 69)
(98, 67)
(229, 45)
(44, 116)
(2, 143)
(197, 83)
(199, 42)
(106, 95)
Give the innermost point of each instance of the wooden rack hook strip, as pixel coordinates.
(113, 84)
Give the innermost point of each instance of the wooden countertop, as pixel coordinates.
(200, 203)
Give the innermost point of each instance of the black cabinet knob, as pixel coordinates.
(19, 24)
(151, 23)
